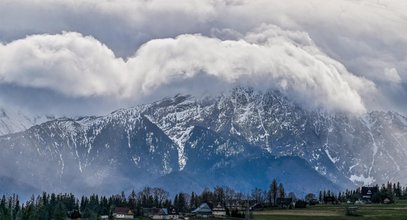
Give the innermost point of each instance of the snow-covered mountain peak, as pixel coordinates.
(14, 120)
(190, 134)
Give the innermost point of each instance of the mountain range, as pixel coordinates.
(242, 138)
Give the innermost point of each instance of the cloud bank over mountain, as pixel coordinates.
(337, 56)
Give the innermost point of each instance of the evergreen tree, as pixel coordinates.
(207, 196)
(176, 202)
(132, 200)
(273, 191)
(398, 190)
(193, 202)
(281, 191)
(59, 212)
(180, 203)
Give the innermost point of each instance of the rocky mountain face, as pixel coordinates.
(242, 139)
(364, 149)
(89, 154)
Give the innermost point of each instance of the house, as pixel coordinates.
(368, 192)
(172, 213)
(236, 206)
(158, 213)
(123, 213)
(203, 211)
(219, 211)
(239, 208)
(161, 213)
(145, 212)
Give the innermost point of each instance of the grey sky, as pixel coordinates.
(93, 56)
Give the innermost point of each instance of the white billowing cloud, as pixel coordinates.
(369, 37)
(268, 57)
(68, 63)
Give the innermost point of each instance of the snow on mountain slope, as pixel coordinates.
(185, 135)
(13, 120)
(365, 149)
(98, 154)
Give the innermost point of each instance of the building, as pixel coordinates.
(172, 213)
(158, 213)
(203, 211)
(161, 213)
(368, 192)
(219, 211)
(123, 213)
(236, 205)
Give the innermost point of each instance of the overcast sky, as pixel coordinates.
(68, 57)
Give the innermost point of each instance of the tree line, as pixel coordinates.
(57, 206)
(390, 191)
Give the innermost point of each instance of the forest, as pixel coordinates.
(49, 206)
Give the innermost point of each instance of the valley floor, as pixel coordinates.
(372, 211)
(335, 212)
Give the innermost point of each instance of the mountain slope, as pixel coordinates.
(13, 120)
(244, 175)
(88, 154)
(364, 148)
(243, 138)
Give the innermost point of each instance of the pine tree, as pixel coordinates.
(176, 203)
(59, 212)
(273, 191)
(132, 200)
(193, 202)
(398, 190)
(181, 203)
(281, 191)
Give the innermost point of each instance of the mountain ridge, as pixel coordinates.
(189, 136)
(15, 120)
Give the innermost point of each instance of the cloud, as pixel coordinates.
(69, 63)
(392, 75)
(361, 40)
(268, 57)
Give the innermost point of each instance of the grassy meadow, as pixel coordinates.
(370, 211)
(397, 211)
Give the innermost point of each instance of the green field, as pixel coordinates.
(335, 212)
(372, 211)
